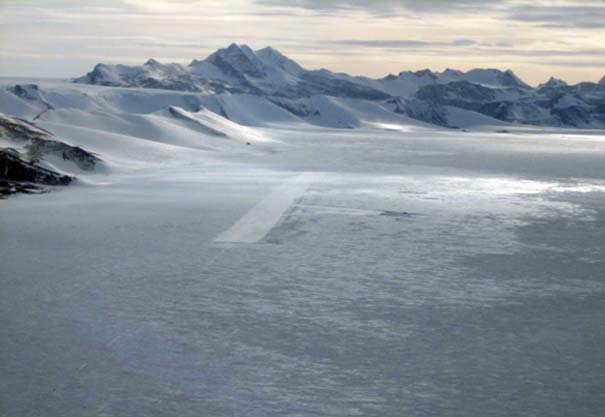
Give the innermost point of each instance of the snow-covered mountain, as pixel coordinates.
(424, 95)
(235, 69)
(553, 83)
(240, 66)
(152, 74)
(487, 77)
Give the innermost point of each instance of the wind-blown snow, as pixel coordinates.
(258, 222)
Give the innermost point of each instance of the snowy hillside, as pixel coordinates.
(152, 74)
(32, 157)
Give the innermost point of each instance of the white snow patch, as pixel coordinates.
(259, 221)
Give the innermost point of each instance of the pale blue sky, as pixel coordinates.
(536, 39)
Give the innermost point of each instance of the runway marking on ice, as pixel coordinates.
(263, 217)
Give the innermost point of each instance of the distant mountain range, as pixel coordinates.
(219, 104)
(423, 95)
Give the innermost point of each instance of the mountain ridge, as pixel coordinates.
(236, 63)
(266, 72)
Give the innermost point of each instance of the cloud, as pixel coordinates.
(587, 14)
(590, 15)
(384, 7)
(600, 64)
(370, 37)
(182, 5)
(401, 43)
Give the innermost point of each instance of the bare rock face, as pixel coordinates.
(20, 176)
(14, 168)
(39, 143)
(20, 163)
(8, 188)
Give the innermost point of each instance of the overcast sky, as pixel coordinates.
(536, 39)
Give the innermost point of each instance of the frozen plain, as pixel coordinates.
(402, 271)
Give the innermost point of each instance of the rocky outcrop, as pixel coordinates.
(421, 110)
(38, 143)
(22, 164)
(8, 188)
(14, 168)
(458, 93)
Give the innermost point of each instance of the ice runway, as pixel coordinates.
(259, 221)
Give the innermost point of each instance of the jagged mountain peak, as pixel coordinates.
(152, 62)
(418, 74)
(236, 50)
(425, 73)
(602, 82)
(235, 61)
(553, 82)
(452, 72)
(233, 46)
(492, 77)
(508, 78)
(272, 57)
(492, 71)
(269, 50)
(238, 69)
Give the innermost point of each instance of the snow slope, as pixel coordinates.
(151, 113)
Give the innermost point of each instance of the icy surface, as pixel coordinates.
(392, 271)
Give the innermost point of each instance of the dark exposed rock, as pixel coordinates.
(26, 91)
(14, 169)
(509, 79)
(455, 93)
(21, 170)
(575, 116)
(8, 188)
(425, 73)
(39, 143)
(421, 110)
(512, 111)
(18, 129)
(295, 107)
(553, 83)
